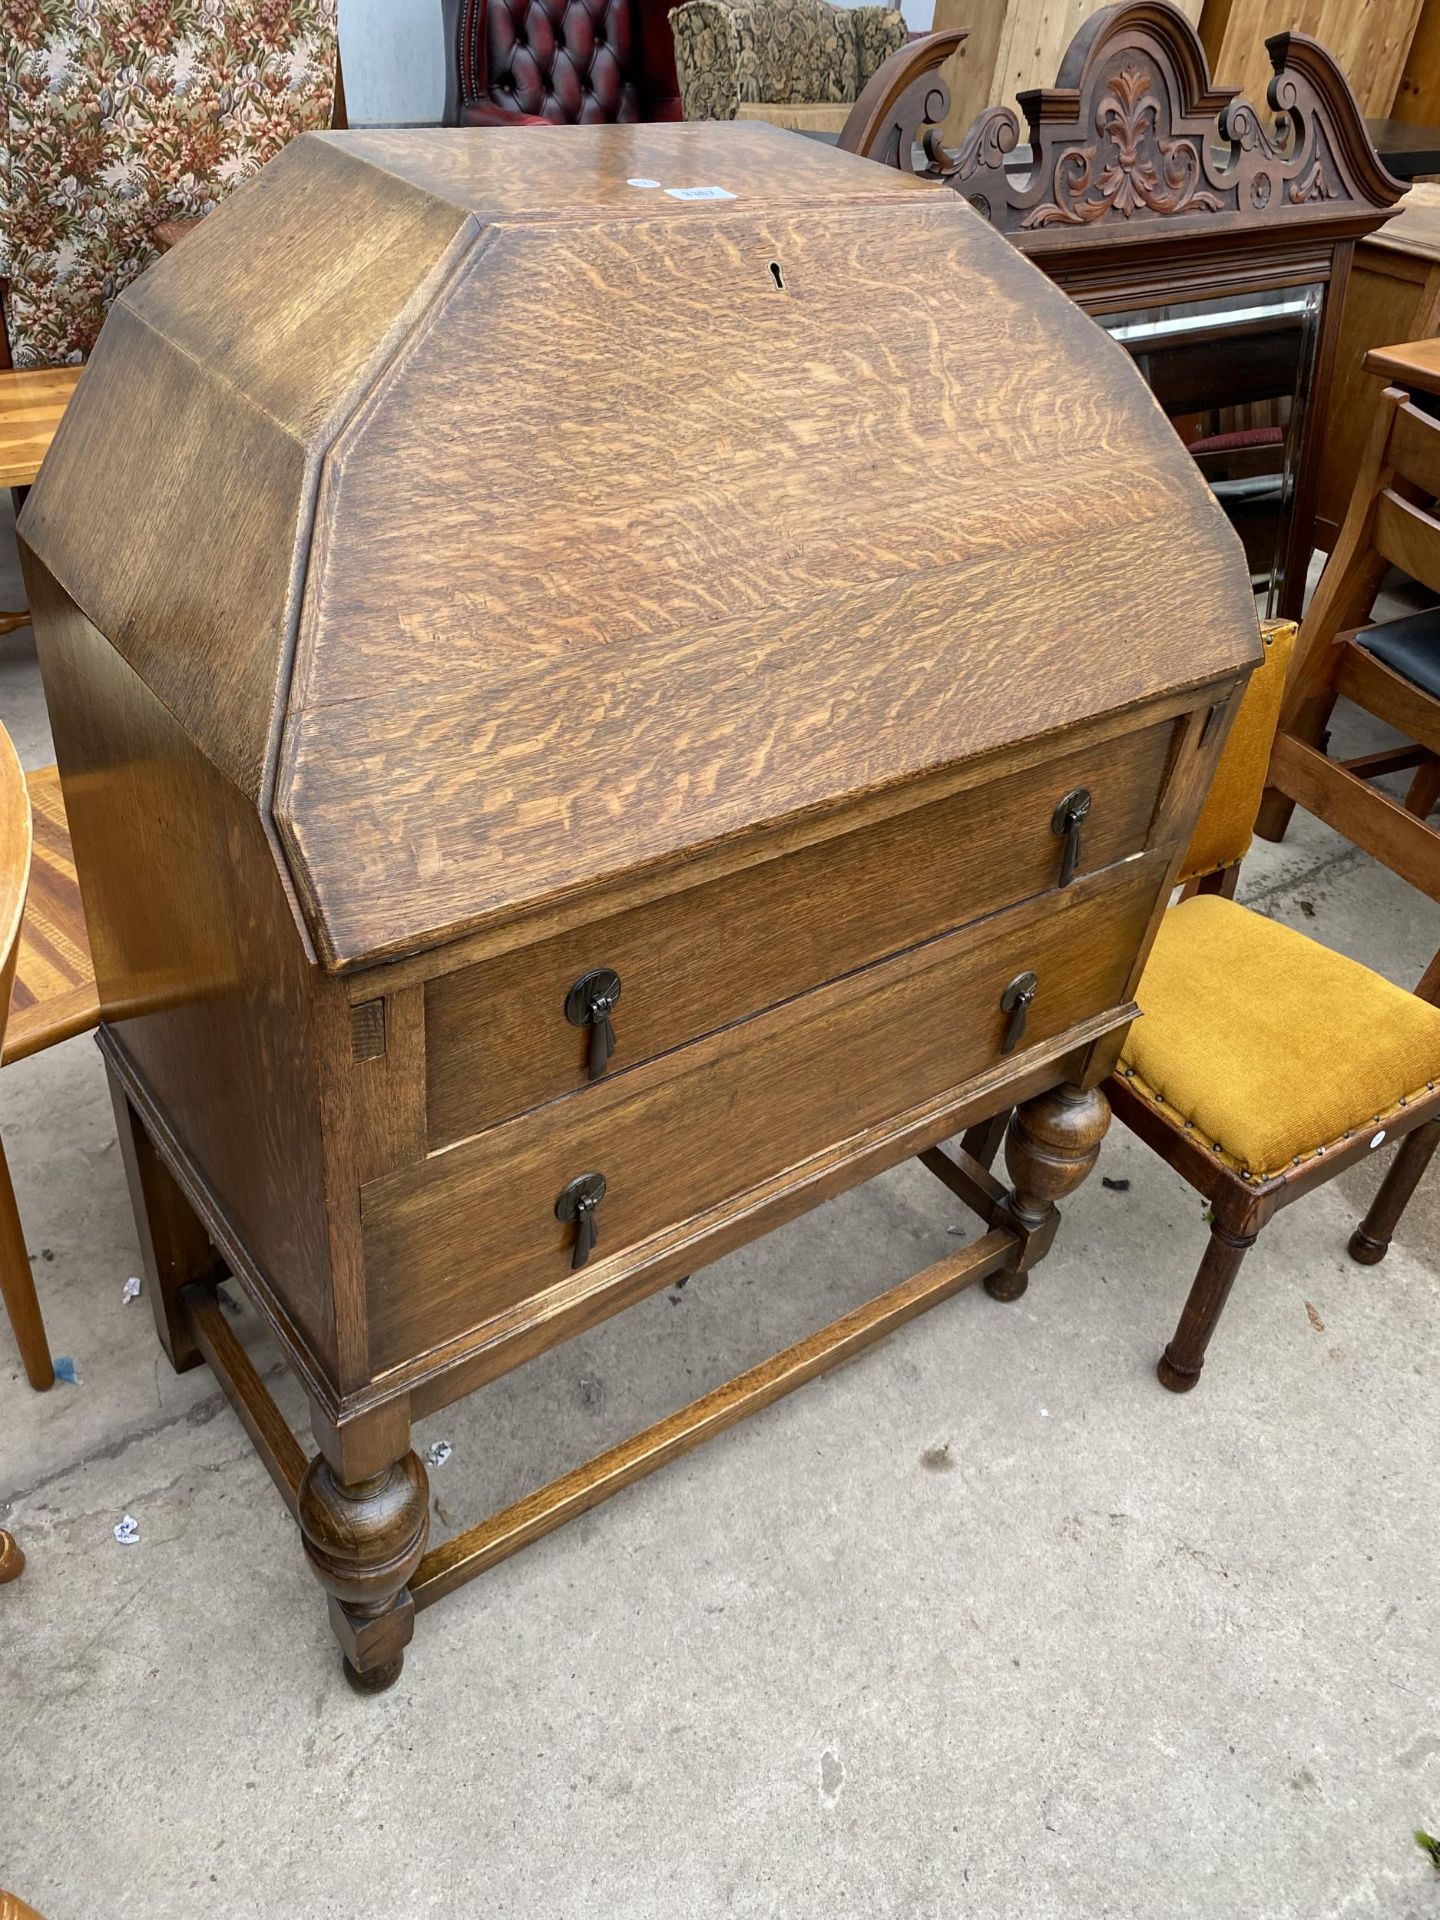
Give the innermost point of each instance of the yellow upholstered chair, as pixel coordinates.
(1263, 1063)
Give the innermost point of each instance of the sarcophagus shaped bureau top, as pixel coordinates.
(497, 607)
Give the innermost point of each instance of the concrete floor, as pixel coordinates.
(983, 1624)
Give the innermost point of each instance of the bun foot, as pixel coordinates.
(1367, 1251)
(1006, 1285)
(12, 1560)
(1169, 1375)
(374, 1679)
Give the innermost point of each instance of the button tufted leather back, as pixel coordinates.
(596, 60)
(563, 60)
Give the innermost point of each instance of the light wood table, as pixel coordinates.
(1393, 294)
(31, 404)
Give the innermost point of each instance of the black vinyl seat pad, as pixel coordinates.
(1409, 647)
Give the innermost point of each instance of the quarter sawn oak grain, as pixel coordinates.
(411, 656)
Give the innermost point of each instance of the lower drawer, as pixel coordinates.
(472, 1230)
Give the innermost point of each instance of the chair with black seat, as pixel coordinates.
(1390, 668)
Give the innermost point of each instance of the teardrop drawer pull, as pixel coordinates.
(1016, 1002)
(580, 1202)
(1065, 823)
(589, 1003)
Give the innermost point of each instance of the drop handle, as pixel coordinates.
(580, 1202)
(1068, 818)
(1016, 1002)
(590, 1003)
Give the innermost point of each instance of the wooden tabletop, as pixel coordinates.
(1406, 149)
(54, 994)
(1414, 227)
(31, 404)
(1415, 364)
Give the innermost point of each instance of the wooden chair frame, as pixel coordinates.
(1240, 1208)
(1388, 523)
(17, 1284)
(1240, 1205)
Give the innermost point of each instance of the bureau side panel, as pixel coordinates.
(202, 973)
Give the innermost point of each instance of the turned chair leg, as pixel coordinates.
(17, 1287)
(1180, 1364)
(1370, 1241)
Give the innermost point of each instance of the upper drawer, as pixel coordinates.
(472, 1231)
(497, 1038)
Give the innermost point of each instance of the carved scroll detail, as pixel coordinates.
(1135, 132)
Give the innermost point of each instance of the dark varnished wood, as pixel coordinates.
(1149, 183)
(758, 680)
(1370, 1241)
(1051, 1145)
(1241, 1207)
(1179, 1366)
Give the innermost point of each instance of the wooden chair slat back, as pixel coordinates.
(1414, 450)
(1409, 538)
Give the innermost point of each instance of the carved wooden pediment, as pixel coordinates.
(1134, 132)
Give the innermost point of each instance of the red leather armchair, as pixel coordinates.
(561, 62)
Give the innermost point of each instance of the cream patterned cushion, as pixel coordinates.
(780, 52)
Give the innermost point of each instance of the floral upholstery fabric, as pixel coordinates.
(778, 51)
(878, 32)
(118, 114)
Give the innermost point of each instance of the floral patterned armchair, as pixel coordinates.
(798, 63)
(119, 115)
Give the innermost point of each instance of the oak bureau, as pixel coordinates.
(610, 683)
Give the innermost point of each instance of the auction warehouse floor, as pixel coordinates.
(983, 1624)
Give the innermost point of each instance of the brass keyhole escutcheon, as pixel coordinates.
(590, 1003)
(580, 1202)
(1068, 818)
(1016, 1001)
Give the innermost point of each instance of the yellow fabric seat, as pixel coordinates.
(1267, 1045)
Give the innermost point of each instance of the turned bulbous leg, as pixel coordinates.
(363, 1542)
(1052, 1143)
